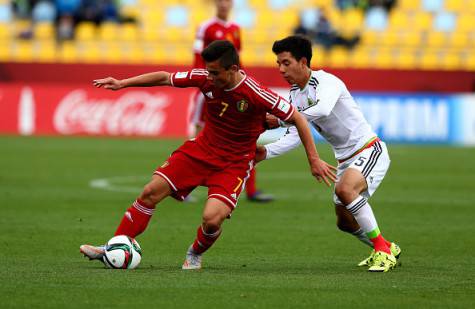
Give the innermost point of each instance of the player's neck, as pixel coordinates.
(305, 78)
(236, 80)
(222, 17)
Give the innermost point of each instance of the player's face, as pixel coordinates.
(291, 69)
(223, 8)
(219, 76)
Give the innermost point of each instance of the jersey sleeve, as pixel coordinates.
(286, 143)
(193, 78)
(329, 89)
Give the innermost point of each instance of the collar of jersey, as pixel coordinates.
(238, 84)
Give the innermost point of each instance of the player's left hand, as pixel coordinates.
(108, 83)
(323, 171)
(261, 153)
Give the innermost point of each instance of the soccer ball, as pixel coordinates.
(122, 252)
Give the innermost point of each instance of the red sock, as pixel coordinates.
(203, 241)
(251, 183)
(388, 243)
(135, 219)
(380, 244)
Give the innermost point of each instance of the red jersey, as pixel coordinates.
(234, 117)
(212, 30)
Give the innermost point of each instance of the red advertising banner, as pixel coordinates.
(50, 109)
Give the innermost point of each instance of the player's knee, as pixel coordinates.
(212, 222)
(345, 193)
(150, 194)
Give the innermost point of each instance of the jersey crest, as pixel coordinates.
(242, 105)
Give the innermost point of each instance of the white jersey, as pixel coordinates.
(331, 110)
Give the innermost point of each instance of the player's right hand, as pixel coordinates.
(108, 83)
(272, 121)
(323, 171)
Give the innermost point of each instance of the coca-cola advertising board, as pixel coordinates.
(50, 109)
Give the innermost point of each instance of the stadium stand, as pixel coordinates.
(419, 34)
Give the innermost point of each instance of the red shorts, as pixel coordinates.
(191, 166)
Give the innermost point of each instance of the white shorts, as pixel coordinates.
(372, 162)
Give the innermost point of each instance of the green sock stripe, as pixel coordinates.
(374, 233)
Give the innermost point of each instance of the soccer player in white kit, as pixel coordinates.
(362, 157)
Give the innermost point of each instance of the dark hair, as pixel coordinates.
(222, 50)
(297, 45)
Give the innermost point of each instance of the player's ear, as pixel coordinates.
(234, 68)
(303, 61)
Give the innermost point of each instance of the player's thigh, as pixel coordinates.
(372, 164)
(228, 183)
(183, 173)
(156, 190)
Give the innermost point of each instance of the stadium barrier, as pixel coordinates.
(52, 109)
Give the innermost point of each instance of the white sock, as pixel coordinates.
(361, 210)
(361, 235)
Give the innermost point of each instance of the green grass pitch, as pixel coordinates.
(287, 254)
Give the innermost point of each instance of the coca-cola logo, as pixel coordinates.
(134, 113)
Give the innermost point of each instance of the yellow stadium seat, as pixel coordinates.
(454, 5)
(421, 21)
(338, 58)
(68, 52)
(44, 31)
(469, 62)
(451, 61)
(459, 40)
(360, 58)
(352, 21)
(383, 58)
(406, 59)
(150, 35)
(5, 31)
(23, 51)
(465, 22)
(436, 39)
(46, 52)
(409, 5)
(5, 53)
(410, 39)
(429, 60)
(129, 32)
(85, 31)
(398, 20)
(155, 53)
(90, 53)
(390, 38)
(109, 31)
(371, 38)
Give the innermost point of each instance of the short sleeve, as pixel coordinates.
(193, 78)
(328, 92)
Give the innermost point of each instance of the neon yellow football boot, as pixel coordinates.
(395, 250)
(382, 262)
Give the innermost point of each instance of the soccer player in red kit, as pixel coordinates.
(221, 156)
(219, 27)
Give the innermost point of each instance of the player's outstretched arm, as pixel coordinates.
(320, 169)
(160, 78)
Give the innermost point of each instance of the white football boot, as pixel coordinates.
(192, 260)
(92, 252)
